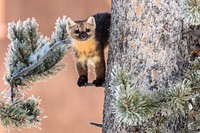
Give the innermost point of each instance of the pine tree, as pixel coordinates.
(153, 76)
(153, 67)
(31, 57)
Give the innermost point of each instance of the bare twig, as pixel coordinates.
(96, 124)
(12, 94)
(195, 131)
(91, 84)
(192, 32)
(26, 70)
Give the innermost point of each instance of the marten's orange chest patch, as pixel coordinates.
(86, 50)
(85, 47)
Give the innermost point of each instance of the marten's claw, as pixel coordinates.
(82, 81)
(98, 82)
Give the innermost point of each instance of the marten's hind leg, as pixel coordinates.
(100, 72)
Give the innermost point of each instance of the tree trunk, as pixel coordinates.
(146, 41)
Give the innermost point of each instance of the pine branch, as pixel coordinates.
(192, 33)
(30, 55)
(20, 113)
(132, 107)
(26, 70)
(96, 124)
(191, 11)
(161, 107)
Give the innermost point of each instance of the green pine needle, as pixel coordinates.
(154, 110)
(21, 114)
(196, 124)
(191, 11)
(179, 95)
(28, 46)
(132, 106)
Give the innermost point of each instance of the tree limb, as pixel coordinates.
(96, 124)
(26, 70)
(192, 33)
(91, 84)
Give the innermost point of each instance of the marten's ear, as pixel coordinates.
(91, 21)
(69, 23)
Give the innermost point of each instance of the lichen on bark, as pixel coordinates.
(146, 42)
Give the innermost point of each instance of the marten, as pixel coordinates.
(89, 38)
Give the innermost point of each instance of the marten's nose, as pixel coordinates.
(83, 35)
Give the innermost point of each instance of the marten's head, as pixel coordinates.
(81, 30)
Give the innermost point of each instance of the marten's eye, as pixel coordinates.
(76, 31)
(87, 30)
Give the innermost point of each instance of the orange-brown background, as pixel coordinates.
(69, 108)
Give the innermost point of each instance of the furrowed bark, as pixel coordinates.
(146, 42)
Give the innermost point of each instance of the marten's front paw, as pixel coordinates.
(82, 81)
(98, 82)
